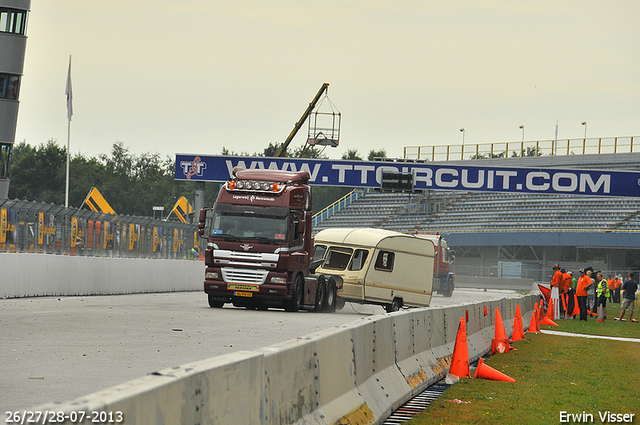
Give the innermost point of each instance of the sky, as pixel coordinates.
(194, 77)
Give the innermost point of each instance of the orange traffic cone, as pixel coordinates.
(600, 317)
(485, 310)
(499, 344)
(576, 307)
(548, 318)
(546, 321)
(487, 372)
(540, 311)
(550, 314)
(518, 329)
(533, 325)
(460, 360)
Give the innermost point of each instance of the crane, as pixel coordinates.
(282, 151)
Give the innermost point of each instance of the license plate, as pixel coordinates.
(243, 294)
(243, 287)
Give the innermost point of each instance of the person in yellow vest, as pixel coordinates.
(602, 293)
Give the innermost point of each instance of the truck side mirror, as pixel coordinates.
(202, 221)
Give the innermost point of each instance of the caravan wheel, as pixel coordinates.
(395, 305)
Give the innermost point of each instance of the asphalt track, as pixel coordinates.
(60, 348)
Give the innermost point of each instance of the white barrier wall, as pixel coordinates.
(356, 373)
(29, 275)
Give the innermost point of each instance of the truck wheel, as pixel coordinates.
(395, 305)
(321, 292)
(340, 303)
(449, 291)
(295, 302)
(331, 298)
(215, 303)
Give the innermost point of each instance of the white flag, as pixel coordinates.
(69, 93)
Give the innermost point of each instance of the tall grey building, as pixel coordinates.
(13, 43)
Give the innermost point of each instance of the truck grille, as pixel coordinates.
(234, 275)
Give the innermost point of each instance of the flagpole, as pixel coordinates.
(66, 192)
(69, 94)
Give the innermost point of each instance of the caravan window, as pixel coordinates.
(385, 261)
(337, 258)
(358, 259)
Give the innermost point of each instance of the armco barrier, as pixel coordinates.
(355, 373)
(32, 275)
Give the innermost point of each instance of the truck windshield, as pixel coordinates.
(249, 225)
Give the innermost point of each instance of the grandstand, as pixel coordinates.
(490, 228)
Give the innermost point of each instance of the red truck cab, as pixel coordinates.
(259, 242)
(443, 277)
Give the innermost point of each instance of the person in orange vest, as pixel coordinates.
(564, 291)
(584, 283)
(616, 291)
(611, 284)
(556, 284)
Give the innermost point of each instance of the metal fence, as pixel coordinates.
(52, 229)
(522, 149)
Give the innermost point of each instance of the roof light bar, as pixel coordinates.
(254, 186)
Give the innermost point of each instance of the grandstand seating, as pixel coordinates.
(488, 211)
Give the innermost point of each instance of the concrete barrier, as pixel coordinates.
(356, 373)
(29, 275)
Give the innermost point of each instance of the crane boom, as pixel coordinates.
(283, 148)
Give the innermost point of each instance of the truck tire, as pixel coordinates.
(321, 296)
(395, 305)
(214, 302)
(331, 297)
(449, 292)
(295, 302)
(340, 303)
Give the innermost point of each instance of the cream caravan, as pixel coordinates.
(376, 266)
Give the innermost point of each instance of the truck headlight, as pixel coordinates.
(276, 279)
(211, 275)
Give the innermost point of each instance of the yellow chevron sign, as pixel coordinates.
(182, 208)
(97, 203)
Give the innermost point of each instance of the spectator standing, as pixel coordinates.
(602, 291)
(574, 281)
(616, 291)
(564, 292)
(630, 286)
(556, 284)
(611, 284)
(584, 282)
(591, 292)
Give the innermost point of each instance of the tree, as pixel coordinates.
(38, 174)
(272, 149)
(382, 153)
(308, 152)
(84, 173)
(352, 154)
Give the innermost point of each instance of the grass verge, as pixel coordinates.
(553, 374)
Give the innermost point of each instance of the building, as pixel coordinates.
(13, 43)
